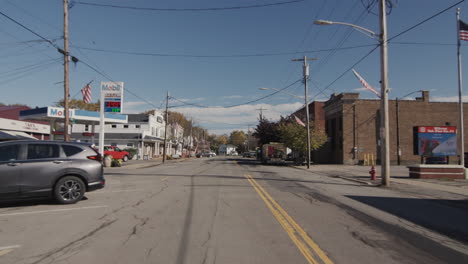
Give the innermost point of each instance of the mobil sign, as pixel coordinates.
(59, 112)
(112, 96)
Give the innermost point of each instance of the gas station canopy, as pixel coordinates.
(77, 116)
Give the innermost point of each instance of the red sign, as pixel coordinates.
(86, 134)
(437, 129)
(57, 133)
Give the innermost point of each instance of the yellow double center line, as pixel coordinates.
(304, 243)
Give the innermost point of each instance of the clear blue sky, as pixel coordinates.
(200, 57)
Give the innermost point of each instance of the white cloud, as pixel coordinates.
(191, 99)
(233, 97)
(362, 89)
(224, 120)
(135, 107)
(221, 120)
(448, 98)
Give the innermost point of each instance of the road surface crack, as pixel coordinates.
(72, 246)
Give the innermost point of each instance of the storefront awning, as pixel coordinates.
(14, 135)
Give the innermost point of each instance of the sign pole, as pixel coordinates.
(460, 97)
(101, 123)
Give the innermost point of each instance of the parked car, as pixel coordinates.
(116, 153)
(208, 154)
(249, 154)
(62, 170)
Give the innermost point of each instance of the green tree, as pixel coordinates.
(223, 139)
(237, 137)
(294, 136)
(79, 104)
(266, 132)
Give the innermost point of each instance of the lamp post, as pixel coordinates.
(384, 125)
(398, 124)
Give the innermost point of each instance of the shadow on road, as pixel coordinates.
(447, 217)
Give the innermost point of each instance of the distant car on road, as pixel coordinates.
(62, 170)
(249, 154)
(208, 154)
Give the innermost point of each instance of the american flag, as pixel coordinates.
(299, 121)
(86, 92)
(463, 30)
(365, 84)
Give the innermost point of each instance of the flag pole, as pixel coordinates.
(460, 97)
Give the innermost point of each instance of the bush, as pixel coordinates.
(116, 163)
(132, 152)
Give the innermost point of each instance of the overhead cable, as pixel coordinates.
(220, 56)
(236, 105)
(187, 9)
(425, 20)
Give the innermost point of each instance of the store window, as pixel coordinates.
(125, 126)
(86, 128)
(137, 126)
(114, 126)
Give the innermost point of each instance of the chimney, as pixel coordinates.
(424, 97)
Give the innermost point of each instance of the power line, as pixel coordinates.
(74, 59)
(231, 106)
(187, 9)
(346, 71)
(397, 35)
(219, 56)
(425, 20)
(30, 30)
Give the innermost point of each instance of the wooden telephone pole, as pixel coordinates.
(66, 84)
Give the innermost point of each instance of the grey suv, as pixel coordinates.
(62, 170)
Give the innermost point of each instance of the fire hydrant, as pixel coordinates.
(372, 173)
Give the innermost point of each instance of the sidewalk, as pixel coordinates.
(399, 174)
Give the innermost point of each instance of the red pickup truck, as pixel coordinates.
(116, 153)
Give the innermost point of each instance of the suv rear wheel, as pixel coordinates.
(69, 190)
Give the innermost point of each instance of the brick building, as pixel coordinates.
(353, 125)
(317, 116)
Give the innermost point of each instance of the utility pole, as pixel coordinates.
(384, 128)
(305, 72)
(248, 137)
(65, 71)
(461, 137)
(165, 128)
(261, 112)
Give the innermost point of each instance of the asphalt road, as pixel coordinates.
(217, 210)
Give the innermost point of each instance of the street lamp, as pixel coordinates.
(384, 126)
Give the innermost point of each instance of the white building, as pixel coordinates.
(176, 137)
(14, 129)
(144, 132)
(226, 149)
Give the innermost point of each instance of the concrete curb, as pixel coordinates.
(341, 177)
